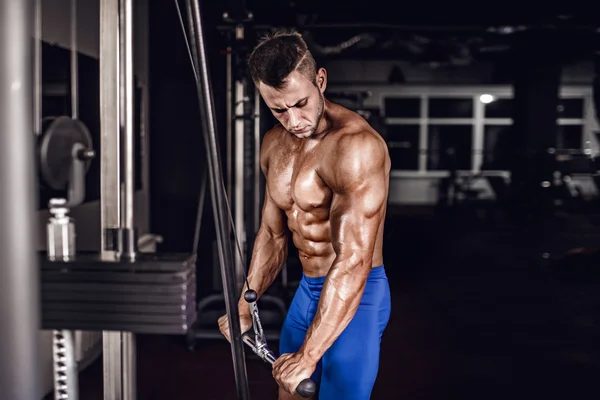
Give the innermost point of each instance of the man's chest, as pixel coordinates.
(293, 181)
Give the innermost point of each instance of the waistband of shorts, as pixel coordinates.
(376, 273)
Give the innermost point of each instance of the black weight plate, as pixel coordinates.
(115, 288)
(162, 263)
(120, 298)
(110, 276)
(158, 329)
(55, 149)
(121, 318)
(116, 310)
(100, 308)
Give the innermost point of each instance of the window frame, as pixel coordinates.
(379, 93)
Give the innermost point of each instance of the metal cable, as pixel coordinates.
(206, 102)
(228, 206)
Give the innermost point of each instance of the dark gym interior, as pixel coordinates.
(493, 221)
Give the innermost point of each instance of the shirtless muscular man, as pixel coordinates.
(327, 175)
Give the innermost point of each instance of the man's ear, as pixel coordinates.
(322, 79)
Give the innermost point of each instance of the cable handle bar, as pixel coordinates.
(307, 388)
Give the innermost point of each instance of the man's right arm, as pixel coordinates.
(271, 243)
(269, 253)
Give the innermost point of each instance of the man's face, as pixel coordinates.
(299, 106)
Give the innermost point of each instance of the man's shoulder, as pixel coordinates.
(268, 138)
(351, 121)
(356, 138)
(354, 153)
(269, 142)
(351, 126)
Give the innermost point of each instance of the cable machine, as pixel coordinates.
(116, 290)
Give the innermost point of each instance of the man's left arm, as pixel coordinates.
(359, 185)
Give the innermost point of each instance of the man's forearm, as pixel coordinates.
(340, 298)
(268, 256)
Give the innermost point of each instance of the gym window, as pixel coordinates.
(430, 130)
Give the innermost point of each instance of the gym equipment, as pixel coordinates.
(211, 307)
(65, 152)
(61, 246)
(156, 294)
(307, 388)
(198, 56)
(115, 290)
(83, 290)
(117, 178)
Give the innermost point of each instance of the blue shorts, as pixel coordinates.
(349, 368)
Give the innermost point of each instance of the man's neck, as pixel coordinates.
(326, 122)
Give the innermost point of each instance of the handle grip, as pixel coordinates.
(306, 388)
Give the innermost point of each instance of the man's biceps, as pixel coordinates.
(273, 219)
(271, 208)
(363, 204)
(271, 213)
(268, 204)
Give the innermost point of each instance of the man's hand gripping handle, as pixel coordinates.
(307, 388)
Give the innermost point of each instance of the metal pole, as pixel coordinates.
(110, 163)
(127, 127)
(110, 146)
(37, 69)
(257, 172)
(129, 365)
(239, 99)
(225, 248)
(19, 273)
(128, 244)
(128, 250)
(74, 63)
(229, 130)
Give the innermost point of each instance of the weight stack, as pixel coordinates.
(156, 294)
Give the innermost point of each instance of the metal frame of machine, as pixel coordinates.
(61, 269)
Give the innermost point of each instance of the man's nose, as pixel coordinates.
(293, 118)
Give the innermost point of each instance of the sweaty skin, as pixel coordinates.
(327, 179)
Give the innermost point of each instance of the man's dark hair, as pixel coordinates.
(277, 55)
